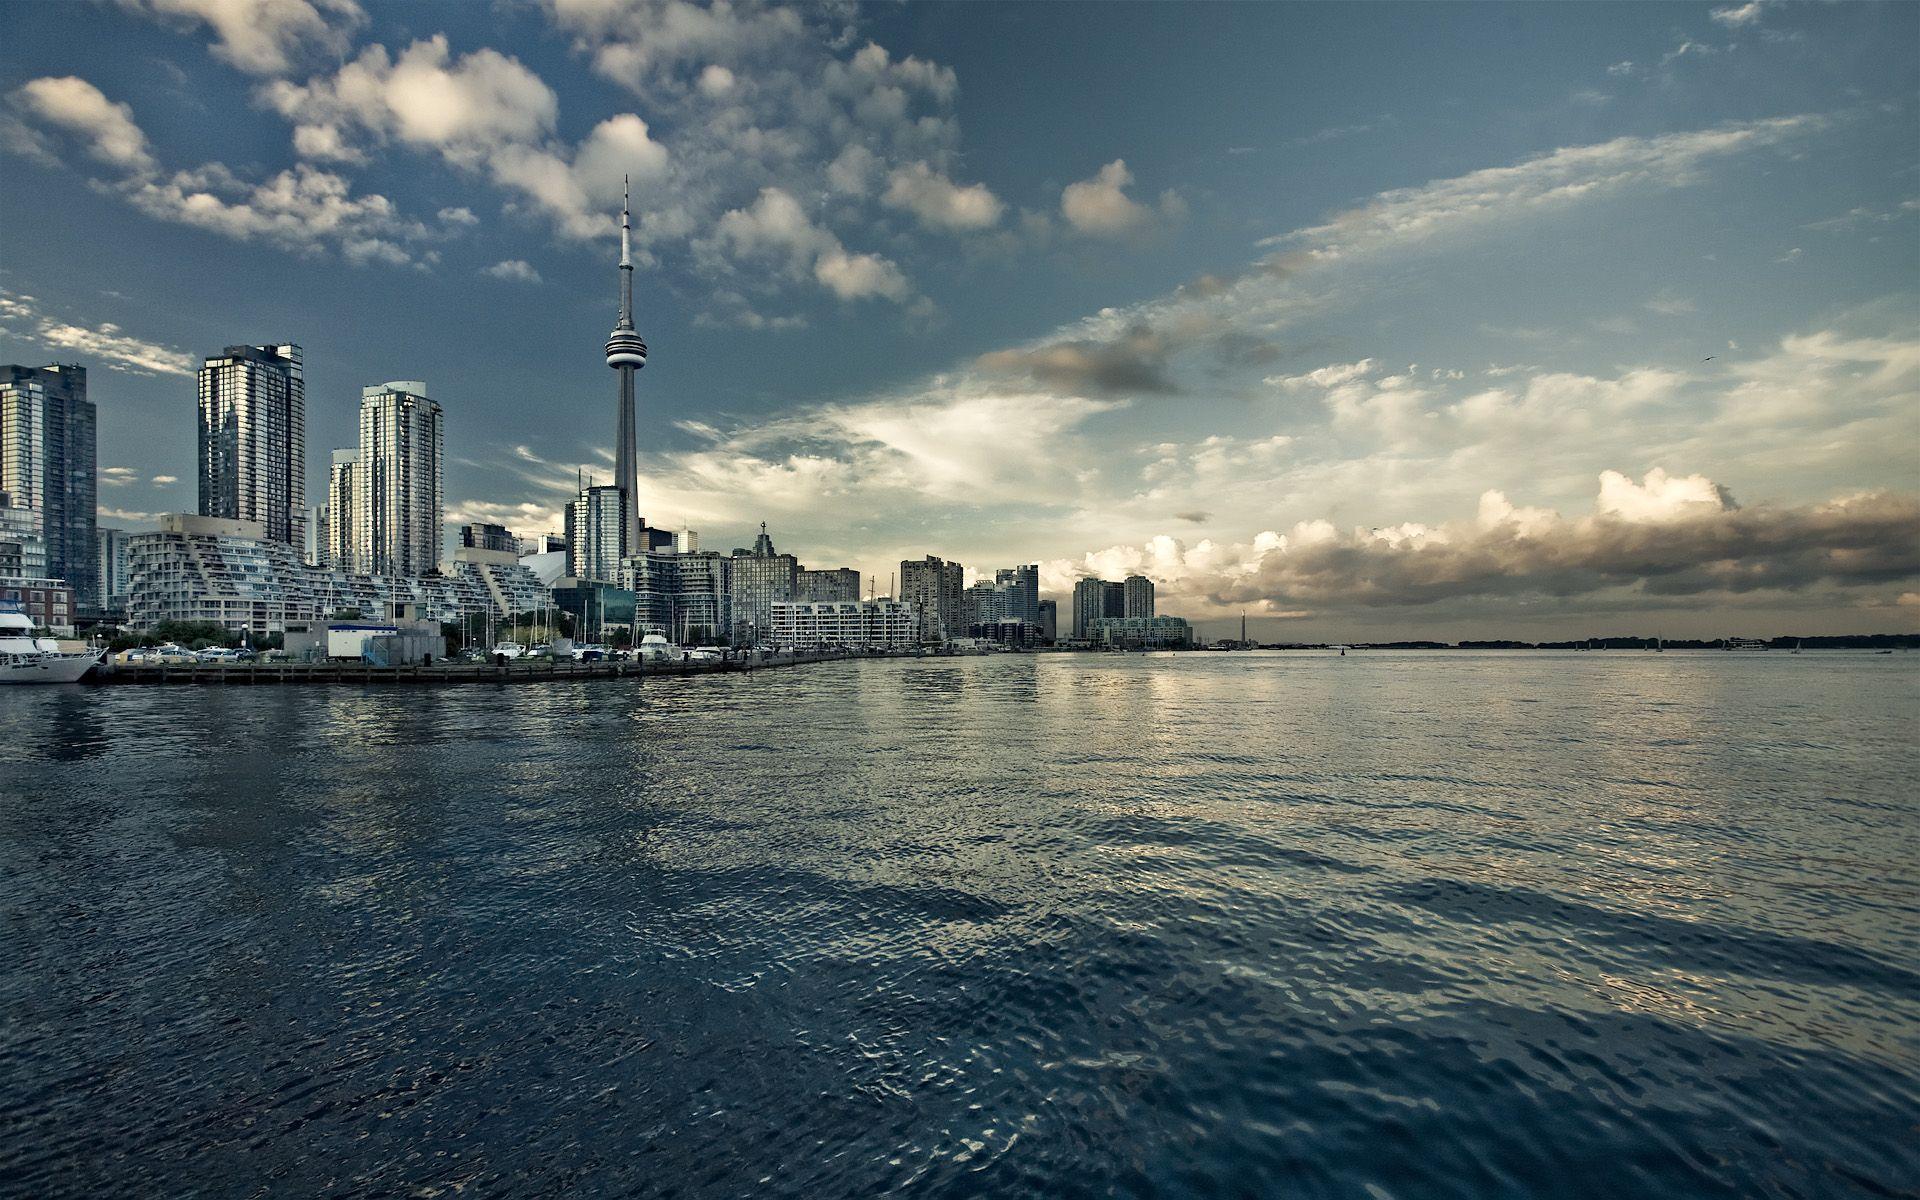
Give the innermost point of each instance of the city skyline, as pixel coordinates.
(1336, 378)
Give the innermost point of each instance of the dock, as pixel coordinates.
(513, 671)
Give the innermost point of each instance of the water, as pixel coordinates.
(1400, 925)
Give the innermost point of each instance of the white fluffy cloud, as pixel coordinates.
(517, 270)
(1101, 205)
(1737, 16)
(264, 37)
(105, 129)
(938, 201)
(775, 228)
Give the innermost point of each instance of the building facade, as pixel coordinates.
(341, 545)
(1021, 586)
(1049, 621)
(597, 533)
(48, 603)
(685, 598)
(112, 583)
(934, 587)
(839, 583)
(760, 578)
(253, 439)
(850, 624)
(1141, 633)
(479, 535)
(48, 432)
(1136, 597)
(1094, 600)
(399, 480)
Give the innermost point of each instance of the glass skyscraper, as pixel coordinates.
(398, 480)
(253, 439)
(48, 468)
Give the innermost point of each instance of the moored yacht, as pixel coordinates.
(26, 659)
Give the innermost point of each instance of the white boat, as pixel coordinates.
(26, 659)
(509, 649)
(655, 648)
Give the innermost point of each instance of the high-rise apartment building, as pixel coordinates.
(1095, 600)
(1022, 587)
(48, 468)
(112, 584)
(934, 587)
(253, 439)
(340, 543)
(839, 583)
(479, 535)
(597, 533)
(760, 577)
(1137, 598)
(399, 480)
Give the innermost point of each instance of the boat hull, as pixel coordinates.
(49, 668)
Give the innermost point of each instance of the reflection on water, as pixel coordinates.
(1389, 924)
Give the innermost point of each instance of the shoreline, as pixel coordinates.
(278, 674)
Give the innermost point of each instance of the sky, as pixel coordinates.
(1367, 321)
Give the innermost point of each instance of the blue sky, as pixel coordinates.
(1370, 320)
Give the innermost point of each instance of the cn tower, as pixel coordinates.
(626, 353)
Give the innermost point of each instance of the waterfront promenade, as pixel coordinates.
(515, 671)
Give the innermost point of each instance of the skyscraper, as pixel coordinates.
(1095, 600)
(1137, 597)
(341, 545)
(626, 353)
(398, 480)
(253, 439)
(935, 587)
(596, 534)
(1022, 587)
(47, 468)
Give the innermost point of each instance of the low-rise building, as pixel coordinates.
(852, 624)
(46, 602)
(1141, 633)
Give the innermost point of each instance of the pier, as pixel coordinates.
(513, 671)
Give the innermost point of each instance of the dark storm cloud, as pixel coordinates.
(1133, 363)
(1865, 540)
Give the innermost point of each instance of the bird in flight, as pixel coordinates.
(1709, 358)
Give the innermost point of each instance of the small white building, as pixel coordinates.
(855, 624)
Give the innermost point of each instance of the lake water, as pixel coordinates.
(1393, 925)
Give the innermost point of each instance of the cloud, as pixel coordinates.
(938, 201)
(1133, 362)
(1542, 184)
(1739, 16)
(1662, 539)
(264, 37)
(776, 228)
(304, 209)
(517, 270)
(164, 480)
(107, 130)
(21, 317)
(117, 476)
(1101, 207)
(457, 216)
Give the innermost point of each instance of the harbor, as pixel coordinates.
(521, 670)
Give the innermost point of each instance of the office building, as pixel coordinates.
(1049, 622)
(253, 439)
(398, 481)
(342, 546)
(849, 624)
(840, 583)
(24, 550)
(935, 587)
(48, 469)
(1136, 597)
